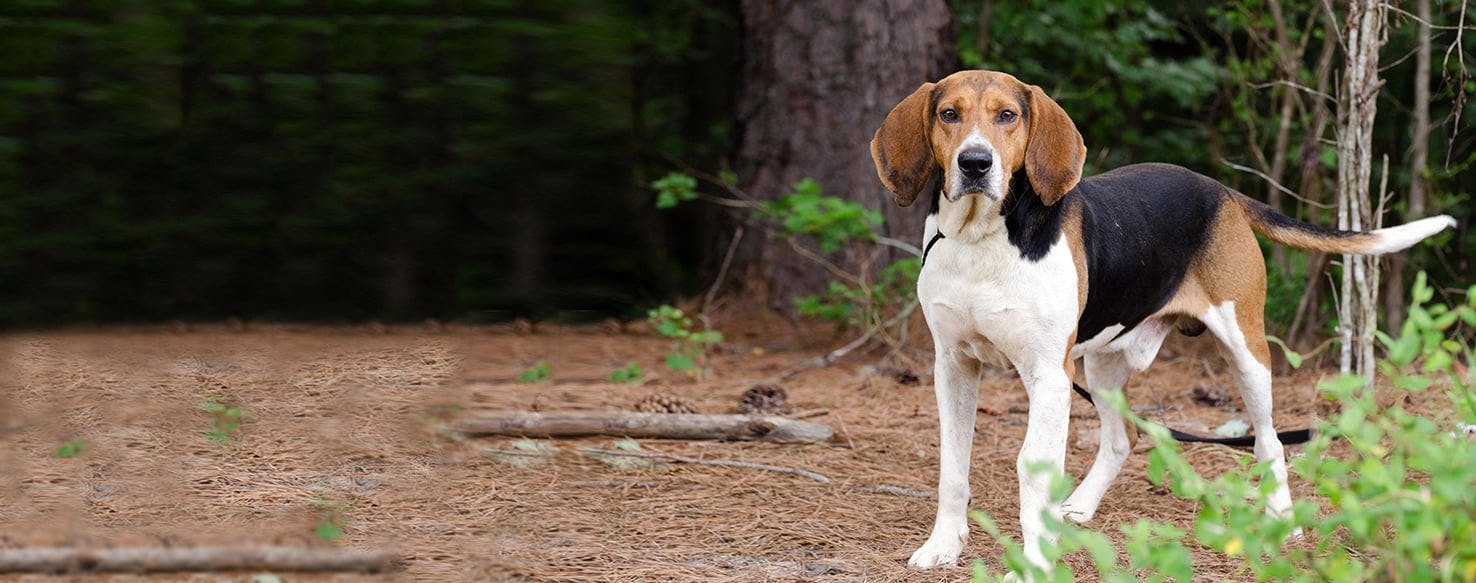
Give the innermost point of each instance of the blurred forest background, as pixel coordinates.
(483, 160)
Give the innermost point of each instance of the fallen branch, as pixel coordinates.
(647, 425)
(839, 353)
(187, 559)
(900, 491)
(816, 476)
(692, 460)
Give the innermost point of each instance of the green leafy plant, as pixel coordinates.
(1394, 486)
(71, 448)
(629, 374)
(860, 299)
(225, 420)
(537, 373)
(831, 221)
(864, 304)
(332, 520)
(673, 189)
(689, 348)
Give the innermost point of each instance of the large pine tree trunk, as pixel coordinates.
(818, 78)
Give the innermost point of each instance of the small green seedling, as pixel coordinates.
(71, 448)
(687, 347)
(332, 521)
(538, 373)
(225, 421)
(629, 374)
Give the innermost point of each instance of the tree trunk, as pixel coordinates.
(1309, 316)
(818, 78)
(1419, 153)
(1364, 31)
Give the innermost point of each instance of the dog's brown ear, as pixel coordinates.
(1055, 155)
(904, 159)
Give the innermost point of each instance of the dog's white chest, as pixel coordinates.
(986, 291)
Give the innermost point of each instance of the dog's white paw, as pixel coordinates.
(1077, 512)
(939, 550)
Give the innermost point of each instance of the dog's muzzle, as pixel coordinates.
(973, 167)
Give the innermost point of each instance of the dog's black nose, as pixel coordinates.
(975, 163)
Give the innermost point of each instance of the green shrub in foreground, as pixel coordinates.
(1396, 490)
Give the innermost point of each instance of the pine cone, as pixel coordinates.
(765, 400)
(662, 403)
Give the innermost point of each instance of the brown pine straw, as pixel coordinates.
(344, 420)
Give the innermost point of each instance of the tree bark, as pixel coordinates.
(1364, 32)
(1419, 154)
(818, 78)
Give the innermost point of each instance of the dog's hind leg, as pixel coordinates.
(956, 385)
(1244, 339)
(1104, 373)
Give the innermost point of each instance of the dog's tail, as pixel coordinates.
(1291, 232)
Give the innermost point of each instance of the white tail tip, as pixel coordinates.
(1399, 238)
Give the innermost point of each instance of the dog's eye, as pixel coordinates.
(948, 115)
(1007, 116)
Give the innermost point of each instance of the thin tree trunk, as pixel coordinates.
(1309, 315)
(986, 14)
(1419, 153)
(1288, 60)
(1364, 32)
(818, 78)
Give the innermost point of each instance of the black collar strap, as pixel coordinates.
(929, 246)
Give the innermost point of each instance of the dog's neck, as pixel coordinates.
(1021, 218)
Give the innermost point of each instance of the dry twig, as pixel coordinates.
(174, 560)
(647, 425)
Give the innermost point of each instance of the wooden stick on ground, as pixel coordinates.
(822, 478)
(647, 425)
(186, 559)
(816, 476)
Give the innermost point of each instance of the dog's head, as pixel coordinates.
(977, 128)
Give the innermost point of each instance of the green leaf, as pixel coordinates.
(535, 374)
(327, 530)
(674, 188)
(1293, 357)
(70, 449)
(677, 361)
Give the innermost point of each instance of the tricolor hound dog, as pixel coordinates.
(1048, 267)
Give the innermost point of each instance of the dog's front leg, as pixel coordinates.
(1048, 384)
(956, 385)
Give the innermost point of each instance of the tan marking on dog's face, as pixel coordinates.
(980, 111)
(985, 111)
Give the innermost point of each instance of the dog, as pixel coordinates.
(1023, 254)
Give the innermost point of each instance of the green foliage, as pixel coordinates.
(863, 305)
(831, 221)
(689, 348)
(538, 373)
(629, 374)
(674, 188)
(1293, 357)
(225, 420)
(71, 448)
(332, 519)
(1395, 500)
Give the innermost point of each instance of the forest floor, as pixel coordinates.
(352, 418)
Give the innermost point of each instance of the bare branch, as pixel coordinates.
(1273, 183)
(722, 270)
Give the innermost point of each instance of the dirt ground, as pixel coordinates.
(353, 418)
